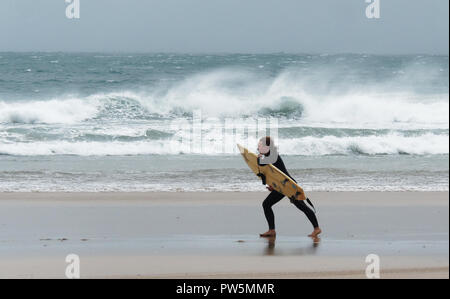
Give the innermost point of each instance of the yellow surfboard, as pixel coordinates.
(274, 177)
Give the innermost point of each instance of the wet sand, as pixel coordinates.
(215, 235)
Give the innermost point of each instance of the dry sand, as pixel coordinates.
(215, 235)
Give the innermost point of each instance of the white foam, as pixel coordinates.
(236, 93)
(427, 144)
(67, 111)
(29, 185)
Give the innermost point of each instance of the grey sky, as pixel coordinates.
(299, 26)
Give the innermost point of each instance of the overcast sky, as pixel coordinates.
(298, 26)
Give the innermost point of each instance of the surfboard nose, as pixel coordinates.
(241, 148)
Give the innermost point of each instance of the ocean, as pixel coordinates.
(117, 122)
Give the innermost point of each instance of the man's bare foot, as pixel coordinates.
(315, 232)
(269, 233)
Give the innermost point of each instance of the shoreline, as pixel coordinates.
(358, 198)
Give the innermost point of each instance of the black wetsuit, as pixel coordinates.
(276, 196)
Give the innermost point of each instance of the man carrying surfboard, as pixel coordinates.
(268, 154)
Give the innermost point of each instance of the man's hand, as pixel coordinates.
(269, 188)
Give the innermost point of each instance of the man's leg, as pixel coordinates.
(300, 204)
(272, 199)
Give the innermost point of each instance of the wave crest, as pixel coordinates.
(67, 111)
(237, 93)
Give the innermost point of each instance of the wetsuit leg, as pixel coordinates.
(272, 199)
(300, 204)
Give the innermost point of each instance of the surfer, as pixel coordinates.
(268, 154)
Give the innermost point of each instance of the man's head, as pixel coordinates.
(265, 145)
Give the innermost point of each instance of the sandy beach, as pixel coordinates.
(215, 235)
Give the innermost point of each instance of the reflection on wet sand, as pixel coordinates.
(309, 250)
(270, 248)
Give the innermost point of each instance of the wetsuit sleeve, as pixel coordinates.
(259, 162)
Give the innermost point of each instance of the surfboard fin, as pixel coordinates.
(295, 197)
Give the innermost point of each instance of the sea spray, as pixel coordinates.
(90, 121)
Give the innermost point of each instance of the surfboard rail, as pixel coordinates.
(274, 177)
